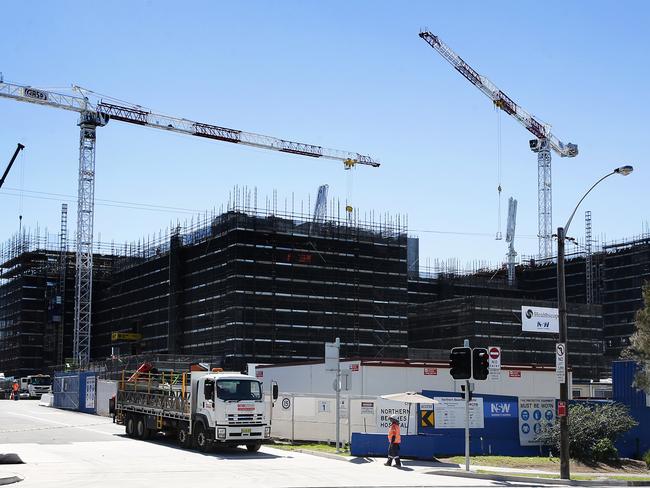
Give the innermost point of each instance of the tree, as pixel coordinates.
(639, 348)
(593, 430)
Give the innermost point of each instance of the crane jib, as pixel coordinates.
(216, 132)
(125, 114)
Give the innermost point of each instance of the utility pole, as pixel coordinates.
(467, 395)
(337, 342)
(564, 386)
(562, 312)
(19, 148)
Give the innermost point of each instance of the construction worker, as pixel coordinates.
(393, 442)
(15, 391)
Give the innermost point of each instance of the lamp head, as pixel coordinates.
(624, 170)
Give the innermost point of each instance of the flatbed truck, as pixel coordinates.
(199, 408)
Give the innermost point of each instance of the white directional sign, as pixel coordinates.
(560, 361)
(494, 354)
(449, 413)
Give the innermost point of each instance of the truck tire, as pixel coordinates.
(201, 437)
(184, 438)
(141, 430)
(129, 425)
(254, 447)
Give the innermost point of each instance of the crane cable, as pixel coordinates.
(499, 236)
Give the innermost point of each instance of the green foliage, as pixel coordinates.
(604, 451)
(592, 425)
(639, 348)
(646, 458)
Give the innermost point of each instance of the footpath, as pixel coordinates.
(494, 473)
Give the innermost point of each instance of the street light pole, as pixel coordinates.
(562, 312)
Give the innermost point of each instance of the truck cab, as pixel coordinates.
(38, 384)
(229, 407)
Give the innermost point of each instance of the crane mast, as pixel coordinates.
(544, 141)
(95, 112)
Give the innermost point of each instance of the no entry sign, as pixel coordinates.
(494, 352)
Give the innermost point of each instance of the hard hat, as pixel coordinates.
(394, 418)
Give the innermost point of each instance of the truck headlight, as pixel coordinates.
(221, 433)
(267, 431)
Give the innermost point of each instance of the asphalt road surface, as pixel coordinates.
(71, 449)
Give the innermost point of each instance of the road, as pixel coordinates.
(71, 449)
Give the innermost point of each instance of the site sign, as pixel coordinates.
(535, 414)
(449, 413)
(540, 319)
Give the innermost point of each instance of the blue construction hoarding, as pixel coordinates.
(75, 391)
(637, 441)
(502, 422)
(499, 435)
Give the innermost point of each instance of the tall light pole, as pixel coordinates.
(561, 299)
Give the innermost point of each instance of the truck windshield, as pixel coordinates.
(41, 381)
(239, 390)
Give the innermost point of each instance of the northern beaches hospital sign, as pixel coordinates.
(540, 319)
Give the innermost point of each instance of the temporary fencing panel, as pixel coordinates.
(302, 417)
(106, 389)
(66, 390)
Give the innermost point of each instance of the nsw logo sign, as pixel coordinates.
(496, 409)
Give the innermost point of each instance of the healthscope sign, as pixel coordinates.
(540, 319)
(535, 414)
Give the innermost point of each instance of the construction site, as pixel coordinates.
(252, 283)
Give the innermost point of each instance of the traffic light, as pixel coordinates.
(480, 363)
(460, 361)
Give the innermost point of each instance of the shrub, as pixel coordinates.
(646, 458)
(604, 451)
(590, 424)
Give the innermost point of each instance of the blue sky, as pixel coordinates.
(345, 75)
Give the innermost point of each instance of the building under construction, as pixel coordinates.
(626, 269)
(37, 303)
(248, 285)
(253, 286)
(496, 321)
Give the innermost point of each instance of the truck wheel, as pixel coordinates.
(130, 426)
(141, 429)
(254, 447)
(201, 437)
(184, 438)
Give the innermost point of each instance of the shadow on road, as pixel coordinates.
(231, 453)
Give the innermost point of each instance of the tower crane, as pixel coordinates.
(544, 140)
(95, 112)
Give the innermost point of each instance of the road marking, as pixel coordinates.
(63, 423)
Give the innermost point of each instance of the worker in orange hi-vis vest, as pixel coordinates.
(394, 441)
(15, 391)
